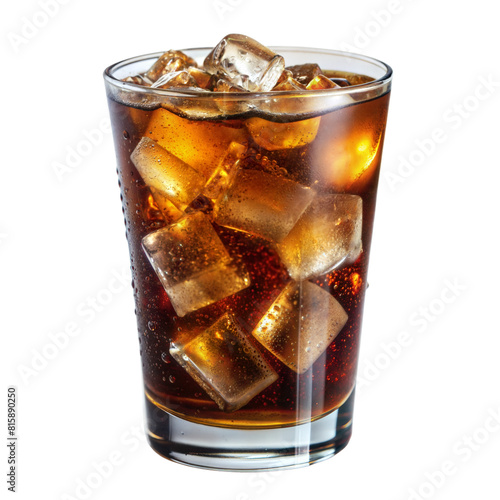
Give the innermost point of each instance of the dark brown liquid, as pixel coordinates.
(355, 131)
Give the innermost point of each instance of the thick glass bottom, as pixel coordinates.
(220, 448)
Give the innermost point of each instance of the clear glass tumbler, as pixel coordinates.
(249, 218)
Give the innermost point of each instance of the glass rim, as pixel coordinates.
(180, 92)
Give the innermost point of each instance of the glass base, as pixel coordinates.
(220, 448)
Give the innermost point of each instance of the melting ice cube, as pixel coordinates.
(273, 135)
(231, 105)
(327, 234)
(287, 82)
(172, 60)
(300, 324)
(175, 79)
(167, 209)
(165, 172)
(201, 144)
(245, 63)
(203, 79)
(138, 80)
(304, 73)
(192, 263)
(225, 363)
(225, 171)
(262, 204)
(321, 82)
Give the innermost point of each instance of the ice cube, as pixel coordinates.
(175, 79)
(138, 80)
(163, 171)
(274, 136)
(321, 82)
(288, 84)
(279, 105)
(231, 105)
(304, 73)
(225, 171)
(201, 144)
(246, 63)
(172, 60)
(192, 263)
(151, 213)
(167, 209)
(262, 204)
(300, 324)
(225, 364)
(285, 75)
(327, 235)
(203, 79)
(222, 85)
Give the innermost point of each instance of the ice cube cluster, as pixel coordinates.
(313, 233)
(237, 63)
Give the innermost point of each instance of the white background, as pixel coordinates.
(427, 403)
